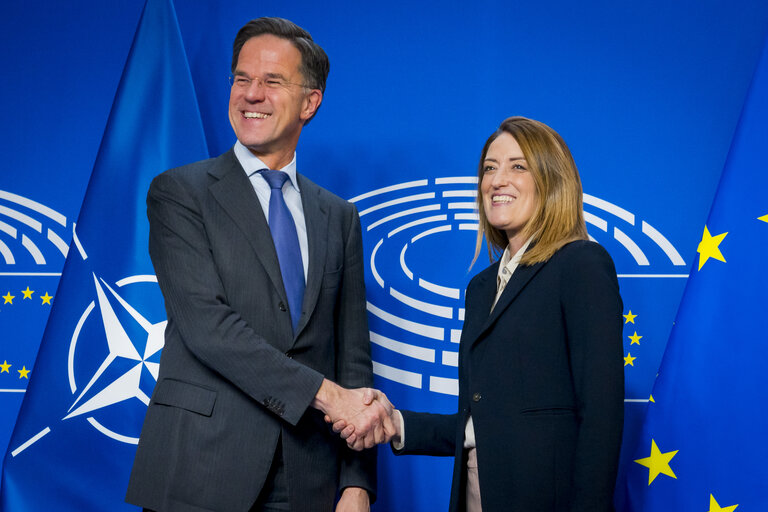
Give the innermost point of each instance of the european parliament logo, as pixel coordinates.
(33, 246)
(33, 235)
(419, 239)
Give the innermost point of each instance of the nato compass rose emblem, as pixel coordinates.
(113, 357)
(128, 369)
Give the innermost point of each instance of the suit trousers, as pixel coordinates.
(274, 495)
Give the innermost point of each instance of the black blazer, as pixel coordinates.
(233, 378)
(542, 376)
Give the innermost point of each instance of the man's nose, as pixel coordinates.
(256, 90)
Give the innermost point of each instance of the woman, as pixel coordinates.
(541, 380)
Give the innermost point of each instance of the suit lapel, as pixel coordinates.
(316, 218)
(476, 314)
(234, 193)
(486, 293)
(518, 281)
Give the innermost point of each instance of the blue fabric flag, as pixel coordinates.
(703, 442)
(75, 438)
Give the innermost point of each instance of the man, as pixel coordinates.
(262, 275)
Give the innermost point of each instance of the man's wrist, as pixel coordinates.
(324, 396)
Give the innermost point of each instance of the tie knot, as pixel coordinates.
(275, 179)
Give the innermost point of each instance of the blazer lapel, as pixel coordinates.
(520, 278)
(316, 218)
(486, 293)
(476, 313)
(234, 193)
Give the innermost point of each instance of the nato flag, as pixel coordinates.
(75, 438)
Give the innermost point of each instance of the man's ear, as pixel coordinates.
(311, 103)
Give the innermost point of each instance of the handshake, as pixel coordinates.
(363, 417)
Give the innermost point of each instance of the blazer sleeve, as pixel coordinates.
(354, 370)
(195, 299)
(592, 309)
(429, 434)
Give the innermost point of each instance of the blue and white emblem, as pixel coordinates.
(131, 341)
(419, 239)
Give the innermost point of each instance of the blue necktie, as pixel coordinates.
(286, 241)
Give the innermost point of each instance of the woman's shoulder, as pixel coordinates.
(584, 262)
(582, 251)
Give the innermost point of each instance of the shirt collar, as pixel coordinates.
(252, 164)
(509, 262)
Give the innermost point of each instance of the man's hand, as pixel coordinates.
(390, 430)
(354, 499)
(366, 418)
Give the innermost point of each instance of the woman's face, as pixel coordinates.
(508, 189)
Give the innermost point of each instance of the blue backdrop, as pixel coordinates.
(646, 95)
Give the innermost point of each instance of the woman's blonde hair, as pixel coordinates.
(558, 217)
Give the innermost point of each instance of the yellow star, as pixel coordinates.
(47, 299)
(651, 399)
(8, 298)
(657, 463)
(4, 367)
(628, 360)
(708, 247)
(764, 218)
(27, 293)
(635, 339)
(629, 317)
(23, 373)
(714, 507)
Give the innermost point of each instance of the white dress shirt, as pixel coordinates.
(291, 193)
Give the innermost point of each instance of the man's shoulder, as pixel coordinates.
(197, 175)
(203, 167)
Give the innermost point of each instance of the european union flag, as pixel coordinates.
(703, 443)
(75, 438)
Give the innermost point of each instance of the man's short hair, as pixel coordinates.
(314, 62)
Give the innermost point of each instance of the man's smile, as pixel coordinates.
(255, 115)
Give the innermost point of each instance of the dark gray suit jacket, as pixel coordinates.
(542, 376)
(233, 377)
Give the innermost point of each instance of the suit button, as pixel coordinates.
(289, 354)
(476, 397)
(282, 307)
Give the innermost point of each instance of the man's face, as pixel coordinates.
(268, 112)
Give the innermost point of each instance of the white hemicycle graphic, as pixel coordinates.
(30, 231)
(120, 346)
(637, 253)
(410, 227)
